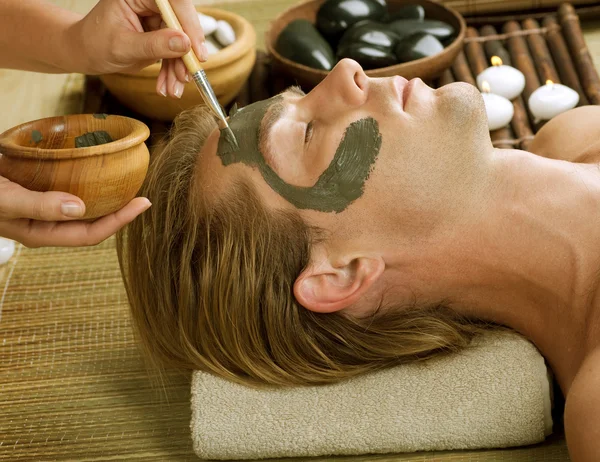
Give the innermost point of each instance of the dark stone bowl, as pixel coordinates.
(425, 68)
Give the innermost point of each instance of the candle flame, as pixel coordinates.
(496, 61)
(485, 86)
(549, 82)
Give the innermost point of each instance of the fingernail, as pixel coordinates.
(187, 77)
(163, 89)
(178, 89)
(203, 52)
(71, 209)
(176, 44)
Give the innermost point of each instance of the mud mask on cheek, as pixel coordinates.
(337, 187)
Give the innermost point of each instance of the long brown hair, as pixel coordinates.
(210, 286)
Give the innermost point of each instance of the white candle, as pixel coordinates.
(552, 99)
(503, 80)
(7, 248)
(499, 110)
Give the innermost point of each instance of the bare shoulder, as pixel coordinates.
(582, 411)
(573, 136)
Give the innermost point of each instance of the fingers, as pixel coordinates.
(153, 22)
(105, 227)
(188, 17)
(18, 202)
(174, 86)
(72, 234)
(161, 82)
(152, 46)
(172, 78)
(181, 71)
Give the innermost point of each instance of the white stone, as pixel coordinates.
(208, 23)
(224, 34)
(212, 45)
(7, 249)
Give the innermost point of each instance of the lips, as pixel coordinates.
(407, 91)
(402, 87)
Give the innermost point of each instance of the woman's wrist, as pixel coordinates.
(59, 50)
(75, 53)
(70, 55)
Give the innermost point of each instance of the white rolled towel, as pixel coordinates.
(494, 394)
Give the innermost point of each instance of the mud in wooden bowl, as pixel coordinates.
(43, 156)
(227, 71)
(425, 68)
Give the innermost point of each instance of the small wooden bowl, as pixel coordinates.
(41, 156)
(424, 68)
(227, 71)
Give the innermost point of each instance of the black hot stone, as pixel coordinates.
(335, 16)
(368, 56)
(406, 27)
(371, 33)
(302, 43)
(417, 46)
(408, 12)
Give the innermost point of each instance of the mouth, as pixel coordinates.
(403, 89)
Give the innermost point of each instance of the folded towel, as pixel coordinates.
(494, 394)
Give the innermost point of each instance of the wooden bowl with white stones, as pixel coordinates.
(100, 158)
(227, 70)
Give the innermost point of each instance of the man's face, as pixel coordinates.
(354, 148)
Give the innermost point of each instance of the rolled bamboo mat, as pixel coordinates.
(73, 386)
(553, 49)
(480, 7)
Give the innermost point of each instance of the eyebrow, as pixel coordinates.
(276, 112)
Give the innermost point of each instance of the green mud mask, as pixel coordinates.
(337, 187)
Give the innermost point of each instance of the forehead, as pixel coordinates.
(214, 179)
(253, 124)
(275, 110)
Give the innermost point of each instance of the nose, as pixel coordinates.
(345, 85)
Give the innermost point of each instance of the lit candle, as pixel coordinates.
(503, 80)
(552, 99)
(7, 248)
(499, 110)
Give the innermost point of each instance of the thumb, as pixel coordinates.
(18, 202)
(152, 46)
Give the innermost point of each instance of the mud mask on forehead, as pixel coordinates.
(337, 187)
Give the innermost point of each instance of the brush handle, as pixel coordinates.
(170, 18)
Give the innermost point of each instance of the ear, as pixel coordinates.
(324, 287)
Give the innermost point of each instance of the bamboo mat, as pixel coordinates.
(73, 386)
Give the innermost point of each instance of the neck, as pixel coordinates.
(525, 254)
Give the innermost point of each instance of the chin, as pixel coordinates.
(463, 108)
